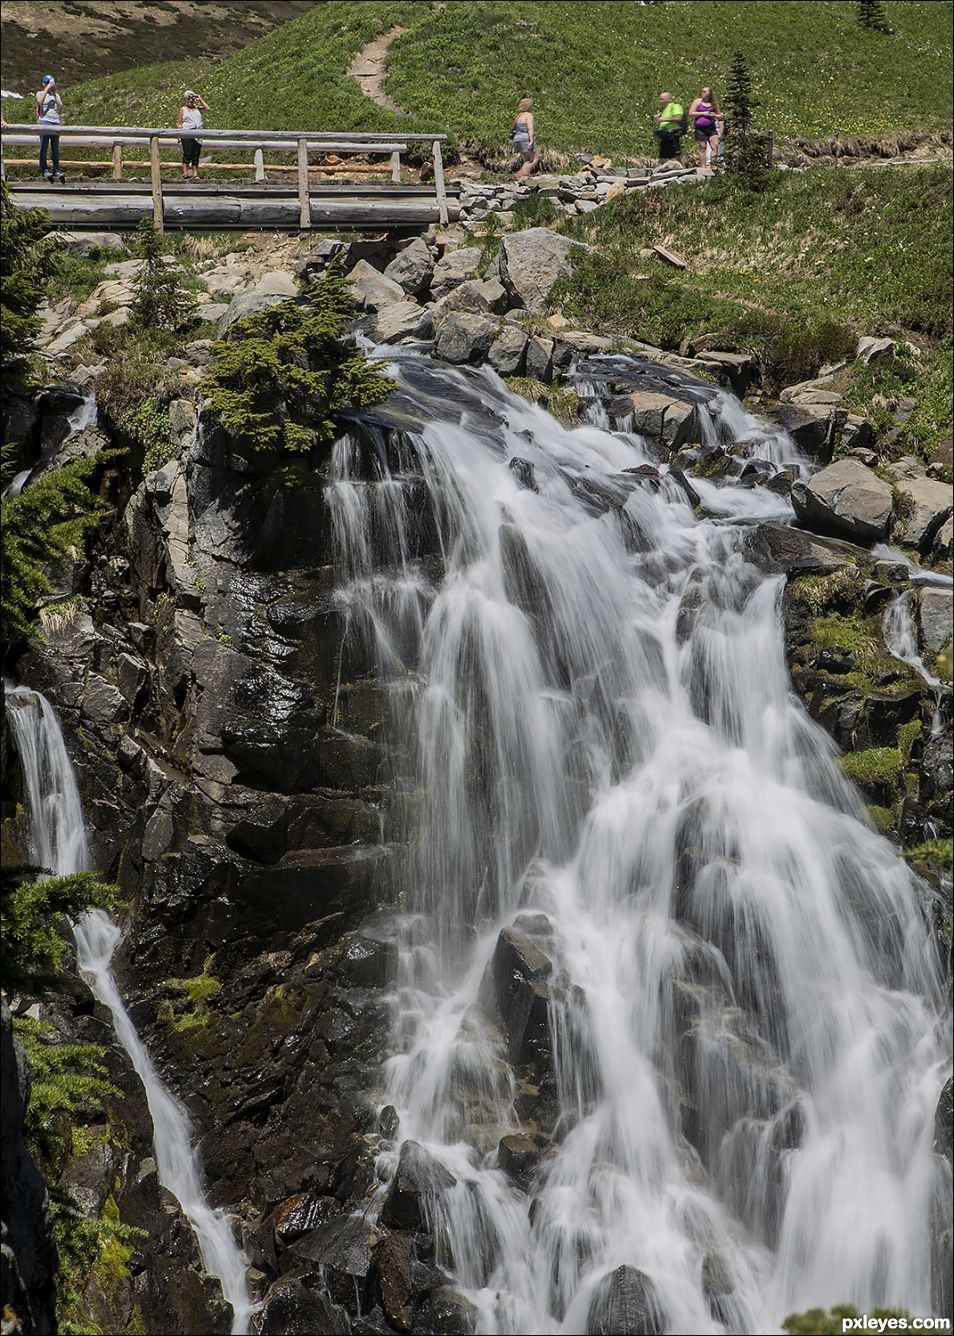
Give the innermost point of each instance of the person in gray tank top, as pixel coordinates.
(49, 107)
(190, 118)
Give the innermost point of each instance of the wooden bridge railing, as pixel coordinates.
(258, 141)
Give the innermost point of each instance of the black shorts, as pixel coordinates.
(704, 133)
(190, 152)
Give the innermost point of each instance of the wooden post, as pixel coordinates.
(304, 202)
(396, 167)
(117, 162)
(155, 172)
(439, 183)
(259, 164)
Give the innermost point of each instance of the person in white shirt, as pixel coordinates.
(190, 118)
(49, 106)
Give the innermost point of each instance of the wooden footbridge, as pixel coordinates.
(277, 195)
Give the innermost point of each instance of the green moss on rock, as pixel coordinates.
(190, 1010)
(878, 766)
(820, 592)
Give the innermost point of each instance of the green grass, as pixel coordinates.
(593, 69)
(796, 273)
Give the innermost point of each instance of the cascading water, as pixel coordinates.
(743, 1002)
(59, 844)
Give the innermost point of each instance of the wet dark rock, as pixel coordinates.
(445, 1312)
(389, 1122)
(300, 1214)
(684, 485)
(517, 1157)
(341, 1248)
(372, 1324)
(519, 991)
(624, 1302)
(522, 470)
(418, 1178)
(392, 1275)
(295, 1306)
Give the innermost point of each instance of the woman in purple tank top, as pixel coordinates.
(707, 122)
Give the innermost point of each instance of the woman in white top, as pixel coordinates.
(49, 105)
(190, 118)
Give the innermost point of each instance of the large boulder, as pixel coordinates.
(476, 296)
(624, 1302)
(921, 507)
(847, 500)
(418, 1177)
(658, 417)
(413, 268)
(455, 268)
(465, 338)
(508, 351)
(518, 986)
(295, 1306)
(401, 320)
(813, 427)
(532, 262)
(445, 1312)
(372, 290)
(247, 303)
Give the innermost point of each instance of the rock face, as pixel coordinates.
(532, 262)
(29, 1253)
(846, 500)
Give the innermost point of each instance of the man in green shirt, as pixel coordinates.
(670, 123)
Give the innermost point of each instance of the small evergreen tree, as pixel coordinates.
(28, 258)
(284, 374)
(871, 16)
(159, 302)
(748, 152)
(738, 102)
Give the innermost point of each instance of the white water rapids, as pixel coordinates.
(59, 845)
(596, 737)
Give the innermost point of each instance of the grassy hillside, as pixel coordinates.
(797, 274)
(83, 39)
(593, 68)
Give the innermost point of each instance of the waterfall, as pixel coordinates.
(59, 844)
(744, 1028)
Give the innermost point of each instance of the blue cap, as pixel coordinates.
(47, 78)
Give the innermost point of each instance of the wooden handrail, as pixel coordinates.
(385, 147)
(116, 132)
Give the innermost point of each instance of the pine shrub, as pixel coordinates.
(284, 375)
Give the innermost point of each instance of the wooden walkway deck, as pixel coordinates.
(108, 206)
(307, 202)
